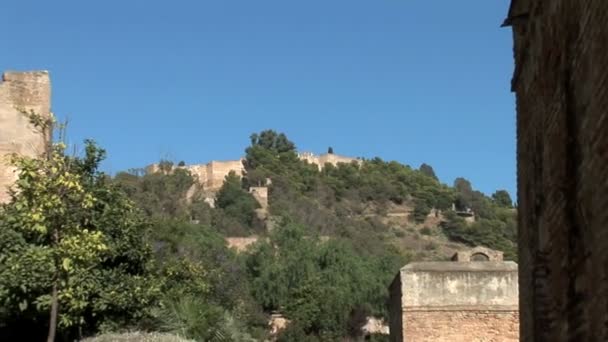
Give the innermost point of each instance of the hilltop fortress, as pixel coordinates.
(211, 175)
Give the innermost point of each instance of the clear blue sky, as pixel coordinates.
(407, 80)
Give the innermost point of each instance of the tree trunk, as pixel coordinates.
(54, 295)
(54, 313)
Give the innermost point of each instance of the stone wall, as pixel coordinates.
(218, 170)
(455, 301)
(327, 158)
(260, 193)
(473, 254)
(561, 83)
(464, 326)
(29, 91)
(241, 244)
(211, 175)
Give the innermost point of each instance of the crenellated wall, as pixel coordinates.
(327, 158)
(29, 91)
(211, 175)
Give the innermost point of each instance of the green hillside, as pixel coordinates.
(155, 258)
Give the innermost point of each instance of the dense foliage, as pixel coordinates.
(325, 287)
(70, 240)
(145, 250)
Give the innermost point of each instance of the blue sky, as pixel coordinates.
(407, 80)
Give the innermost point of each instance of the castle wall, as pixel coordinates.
(455, 301)
(260, 193)
(328, 158)
(218, 170)
(561, 83)
(240, 244)
(212, 174)
(30, 91)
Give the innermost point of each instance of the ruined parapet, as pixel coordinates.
(211, 175)
(240, 244)
(21, 91)
(478, 254)
(456, 301)
(327, 158)
(276, 324)
(260, 193)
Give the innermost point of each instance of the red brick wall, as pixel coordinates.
(461, 326)
(561, 82)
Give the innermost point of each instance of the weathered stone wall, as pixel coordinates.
(212, 174)
(561, 82)
(218, 170)
(464, 326)
(260, 193)
(455, 301)
(241, 244)
(469, 255)
(29, 91)
(328, 158)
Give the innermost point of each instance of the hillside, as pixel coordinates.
(150, 250)
(417, 214)
(383, 212)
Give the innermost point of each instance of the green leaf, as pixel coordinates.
(66, 264)
(23, 305)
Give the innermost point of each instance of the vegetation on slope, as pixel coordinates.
(140, 251)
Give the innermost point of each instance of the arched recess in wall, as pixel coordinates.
(480, 257)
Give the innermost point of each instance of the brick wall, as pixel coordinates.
(461, 326)
(455, 302)
(561, 82)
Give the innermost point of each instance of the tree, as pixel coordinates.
(70, 239)
(464, 193)
(273, 141)
(502, 199)
(428, 170)
(235, 201)
(160, 194)
(312, 282)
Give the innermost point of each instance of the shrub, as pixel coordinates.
(426, 231)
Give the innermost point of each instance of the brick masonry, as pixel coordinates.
(469, 326)
(458, 301)
(561, 83)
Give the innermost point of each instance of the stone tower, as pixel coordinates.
(30, 91)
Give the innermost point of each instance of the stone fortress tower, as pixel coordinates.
(473, 298)
(19, 91)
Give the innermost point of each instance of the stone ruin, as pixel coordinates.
(473, 298)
